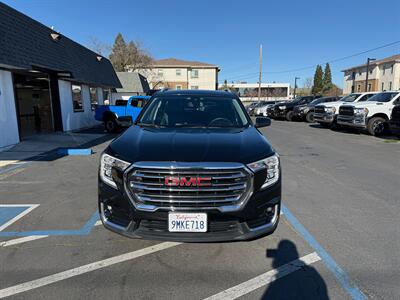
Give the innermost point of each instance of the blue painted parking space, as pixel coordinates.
(10, 213)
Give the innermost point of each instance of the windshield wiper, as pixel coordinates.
(149, 125)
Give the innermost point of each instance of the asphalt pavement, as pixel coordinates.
(338, 237)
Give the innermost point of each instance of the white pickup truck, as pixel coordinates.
(326, 113)
(371, 115)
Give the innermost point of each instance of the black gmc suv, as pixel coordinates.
(193, 168)
(394, 122)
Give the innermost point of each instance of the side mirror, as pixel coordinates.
(262, 122)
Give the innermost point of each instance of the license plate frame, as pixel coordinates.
(187, 222)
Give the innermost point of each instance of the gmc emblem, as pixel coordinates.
(187, 181)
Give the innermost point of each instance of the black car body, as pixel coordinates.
(305, 112)
(167, 169)
(285, 110)
(394, 122)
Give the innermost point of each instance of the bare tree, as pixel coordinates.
(308, 83)
(98, 46)
(137, 57)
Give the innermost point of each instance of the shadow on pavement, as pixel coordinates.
(45, 147)
(305, 283)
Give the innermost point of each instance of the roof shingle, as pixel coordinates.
(25, 43)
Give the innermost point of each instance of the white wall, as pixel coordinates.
(206, 79)
(75, 120)
(8, 117)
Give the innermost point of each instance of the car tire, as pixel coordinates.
(376, 126)
(310, 117)
(110, 125)
(289, 116)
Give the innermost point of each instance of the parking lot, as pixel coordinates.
(338, 237)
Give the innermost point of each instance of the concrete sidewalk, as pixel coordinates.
(35, 147)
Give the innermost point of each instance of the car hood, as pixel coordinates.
(335, 104)
(367, 104)
(191, 145)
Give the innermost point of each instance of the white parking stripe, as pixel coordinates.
(265, 278)
(30, 285)
(22, 240)
(19, 216)
(31, 238)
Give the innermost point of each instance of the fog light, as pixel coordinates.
(269, 209)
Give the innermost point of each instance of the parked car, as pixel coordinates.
(285, 110)
(262, 109)
(326, 114)
(252, 110)
(192, 168)
(305, 112)
(371, 115)
(122, 114)
(394, 122)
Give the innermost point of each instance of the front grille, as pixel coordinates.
(319, 109)
(229, 186)
(346, 111)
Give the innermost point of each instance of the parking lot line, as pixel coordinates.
(265, 278)
(30, 285)
(31, 238)
(29, 208)
(339, 273)
(22, 240)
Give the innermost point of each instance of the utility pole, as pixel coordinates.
(260, 77)
(295, 87)
(366, 77)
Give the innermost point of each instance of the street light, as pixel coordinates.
(295, 87)
(366, 77)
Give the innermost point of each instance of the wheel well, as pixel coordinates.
(109, 115)
(381, 115)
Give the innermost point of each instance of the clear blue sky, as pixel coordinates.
(294, 34)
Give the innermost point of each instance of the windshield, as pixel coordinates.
(383, 97)
(316, 101)
(194, 111)
(350, 98)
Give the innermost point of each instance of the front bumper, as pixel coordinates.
(352, 121)
(299, 114)
(326, 118)
(259, 217)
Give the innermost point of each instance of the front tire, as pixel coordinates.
(289, 116)
(376, 126)
(310, 117)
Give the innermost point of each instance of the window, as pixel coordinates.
(178, 72)
(369, 87)
(77, 97)
(359, 73)
(93, 97)
(390, 86)
(138, 103)
(194, 87)
(194, 74)
(106, 96)
(371, 71)
(160, 72)
(358, 87)
(383, 86)
(178, 87)
(383, 69)
(391, 69)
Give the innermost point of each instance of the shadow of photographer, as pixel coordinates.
(305, 283)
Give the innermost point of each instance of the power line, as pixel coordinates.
(249, 75)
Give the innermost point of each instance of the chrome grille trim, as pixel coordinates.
(232, 186)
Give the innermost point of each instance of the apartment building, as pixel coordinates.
(383, 74)
(179, 74)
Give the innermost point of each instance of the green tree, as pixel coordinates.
(318, 81)
(327, 80)
(118, 54)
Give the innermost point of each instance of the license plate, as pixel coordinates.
(187, 222)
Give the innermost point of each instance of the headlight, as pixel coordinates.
(361, 111)
(281, 107)
(107, 162)
(330, 110)
(272, 165)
